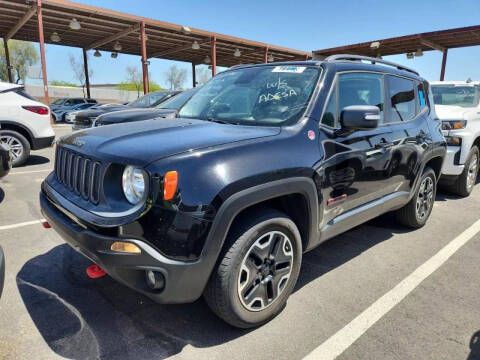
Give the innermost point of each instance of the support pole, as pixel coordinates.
(144, 59)
(85, 66)
(42, 53)
(7, 56)
(194, 76)
(265, 55)
(444, 64)
(214, 55)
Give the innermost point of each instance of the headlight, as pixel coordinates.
(454, 124)
(133, 181)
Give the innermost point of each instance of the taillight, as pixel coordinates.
(40, 110)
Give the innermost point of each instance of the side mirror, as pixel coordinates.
(359, 117)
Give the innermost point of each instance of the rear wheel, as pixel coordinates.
(17, 144)
(416, 213)
(257, 271)
(466, 181)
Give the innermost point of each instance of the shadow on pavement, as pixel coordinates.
(475, 347)
(81, 318)
(2, 195)
(34, 160)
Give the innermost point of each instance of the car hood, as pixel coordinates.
(140, 143)
(452, 112)
(131, 115)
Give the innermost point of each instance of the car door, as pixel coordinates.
(354, 168)
(406, 115)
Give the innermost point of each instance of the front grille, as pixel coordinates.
(78, 173)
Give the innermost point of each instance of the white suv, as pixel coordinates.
(457, 106)
(25, 123)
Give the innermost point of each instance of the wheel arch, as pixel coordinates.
(300, 190)
(13, 126)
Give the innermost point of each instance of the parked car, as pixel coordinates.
(25, 123)
(166, 109)
(2, 270)
(60, 114)
(85, 119)
(457, 106)
(262, 164)
(68, 103)
(71, 115)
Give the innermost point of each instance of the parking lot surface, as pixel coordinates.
(50, 308)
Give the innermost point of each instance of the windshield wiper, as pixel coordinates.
(220, 121)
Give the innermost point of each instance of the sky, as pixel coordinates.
(303, 24)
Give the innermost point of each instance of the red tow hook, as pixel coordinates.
(46, 225)
(94, 271)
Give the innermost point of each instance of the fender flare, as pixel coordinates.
(7, 122)
(232, 206)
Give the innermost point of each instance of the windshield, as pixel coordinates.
(177, 101)
(464, 96)
(265, 95)
(149, 100)
(58, 102)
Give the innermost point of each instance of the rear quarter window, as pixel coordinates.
(22, 93)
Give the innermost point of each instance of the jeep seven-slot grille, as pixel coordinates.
(79, 174)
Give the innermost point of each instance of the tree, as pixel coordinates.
(62, 83)
(153, 86)
(203, 75)
(22, 55)
(135, 77)
(78, 69)
(175, 77)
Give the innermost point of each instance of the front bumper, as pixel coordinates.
(42, 143)
(450, 164)
(183, 281)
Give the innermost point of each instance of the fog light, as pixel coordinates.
(125, 247)
(154, 279)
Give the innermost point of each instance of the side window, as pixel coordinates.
(68, 103)
(401, 98)
(361, 89)
(78, 101)
(330, 115)
(421, 96)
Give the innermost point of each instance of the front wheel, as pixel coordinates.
(416, 213)
(466, 181)
(257, 271)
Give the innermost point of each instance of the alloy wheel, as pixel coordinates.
(265, 271)
(472, 171)
(425, 198)
(14, 145)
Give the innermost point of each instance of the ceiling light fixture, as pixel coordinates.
(207, 60)
(114, 54)
(195, 45)
(55, 37)
(270, 58)
(185, 30)
(97, 53)
(75, 25)
(117, 46)
(410, 55)
(419, 53)
(375, 45)
(237, 53)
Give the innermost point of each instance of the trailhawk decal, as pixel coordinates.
(289, 69)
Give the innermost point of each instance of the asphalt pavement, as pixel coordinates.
(359, 294)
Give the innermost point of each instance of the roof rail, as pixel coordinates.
(368, 58)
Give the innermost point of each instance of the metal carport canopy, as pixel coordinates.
(101, 28)
(436, 40)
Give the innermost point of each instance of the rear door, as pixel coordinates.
(406, 111)
(354, 170)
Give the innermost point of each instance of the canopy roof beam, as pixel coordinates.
(177, 49)
(432, 45)
(119, 35)
(27, 16)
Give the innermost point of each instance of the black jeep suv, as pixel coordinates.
(262, 164)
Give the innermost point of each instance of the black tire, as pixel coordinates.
(20, 140)
(462, 186)
(408, 215)
(223, 291)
